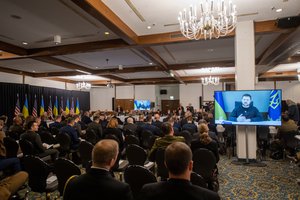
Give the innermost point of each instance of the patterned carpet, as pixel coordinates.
(275, 181)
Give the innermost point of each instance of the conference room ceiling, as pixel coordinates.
(131, 53)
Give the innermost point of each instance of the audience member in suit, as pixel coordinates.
(130, 125)
(7, 163)
(154, 129)
(57, 124)
(11, 184)
(77, 125)
(190, 108)
(190, 125)
(86, 118)
(293, 111)
(96, 127)
(112, 129)
(75, 141)
(98, 182)
(32, 136)
(156, 122)
(103, 121)
(205, 141)
(16, 129)
(163, 142)
(178, 160)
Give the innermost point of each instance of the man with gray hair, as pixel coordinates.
(98, 182)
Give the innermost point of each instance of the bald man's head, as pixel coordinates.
(103, 153)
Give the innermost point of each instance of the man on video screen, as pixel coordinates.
(245, 112)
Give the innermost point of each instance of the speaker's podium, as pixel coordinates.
(246, 146)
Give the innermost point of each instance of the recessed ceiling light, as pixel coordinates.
(33, 70)
(106, 33)
(279, 10)
(25, 43)
(210, 50)
(96, 67)
(149, 27)
(150, 63)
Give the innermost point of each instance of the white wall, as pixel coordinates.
(208, 91)
(10, 78)
(125, 92)
(290, 90)
(190, 93)
(264, 85)
(145, 92)
(101, 98)
(172, 90)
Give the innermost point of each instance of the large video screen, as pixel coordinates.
(248, 107)
(142, 104)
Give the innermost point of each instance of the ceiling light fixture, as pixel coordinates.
(57, 39)
(150, 63)
(78, 70)
(83, 85)
(106, 33)
(109, 84)
(279, 10)
(213, 80)
(25, 43)
(210, 20)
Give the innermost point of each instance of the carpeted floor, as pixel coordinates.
(275, 181)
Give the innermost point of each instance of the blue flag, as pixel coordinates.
(219, 107)
(275, 106)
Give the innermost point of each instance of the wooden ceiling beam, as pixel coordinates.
(62, 80)
(52, 74)
(13, 49)
(15, 71)
(64, 64)
(102, 13)
(79, 48)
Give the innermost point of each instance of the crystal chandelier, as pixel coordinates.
(213, 80)
(210, 20)
(83, 85)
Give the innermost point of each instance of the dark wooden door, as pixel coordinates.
(169, 105)
(126, 104)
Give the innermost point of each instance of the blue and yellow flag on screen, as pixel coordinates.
(275, 106)
(68, 107)
(77, 111)
(55, 108)
(42, 108)
(25, 108)
(219, 107)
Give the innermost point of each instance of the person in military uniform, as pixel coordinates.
(163, 142)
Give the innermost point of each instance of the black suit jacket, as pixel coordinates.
(96, 184)
(176, 189)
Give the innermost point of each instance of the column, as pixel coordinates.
(245, 80)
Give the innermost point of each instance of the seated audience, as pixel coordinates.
(156, 122)
(178, 160)
(130, 125)
(86, 118)
(71, 131)
(32, 136)
(96, 127)
(57, 124)
(12, 164)
(190, 125)
(205, 141)
(16, 129)
(113, 130)
(98, 181)
(287, 125)
(153, 129)
(163, 142)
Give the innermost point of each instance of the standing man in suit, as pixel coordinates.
(178, 160)
(98, 183)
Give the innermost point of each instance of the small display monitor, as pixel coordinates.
(142, 104)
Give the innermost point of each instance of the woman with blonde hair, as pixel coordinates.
(205, 141)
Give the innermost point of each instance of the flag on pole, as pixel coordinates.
(219, 107)
(77, 112)
(68, 107)
(61, 106)
(72, 106)
(25, 108)
(275, 106)
(55, 108)
(17, 108)
(42, 108)
(34, 109)
(50, 108)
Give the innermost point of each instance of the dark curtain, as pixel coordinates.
(9, 91)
